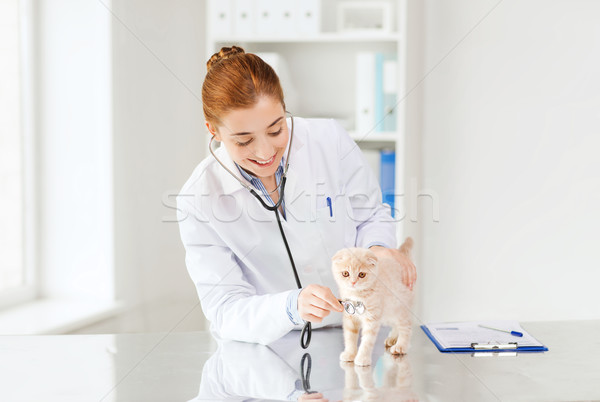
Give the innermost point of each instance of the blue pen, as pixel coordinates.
(329, 205)
(514, 333)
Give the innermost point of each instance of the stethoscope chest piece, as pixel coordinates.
(353, 307)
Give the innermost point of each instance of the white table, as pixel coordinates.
(190, 365)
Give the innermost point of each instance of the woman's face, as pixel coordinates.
(255, 138)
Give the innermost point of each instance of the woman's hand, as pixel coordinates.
(409, 272)
(315, 302)
(316, 397)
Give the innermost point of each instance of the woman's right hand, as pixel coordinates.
(315, 302)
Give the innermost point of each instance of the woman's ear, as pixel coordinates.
(213, 131)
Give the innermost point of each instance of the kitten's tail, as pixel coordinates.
(407, 246)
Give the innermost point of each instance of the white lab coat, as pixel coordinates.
(234, 251)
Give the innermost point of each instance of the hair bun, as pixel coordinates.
(223, 54)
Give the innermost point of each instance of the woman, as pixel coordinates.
(234, 251)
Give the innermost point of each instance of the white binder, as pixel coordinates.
(244, 12)
(221, 18)
(267, 14)
(365, 93)
(308, 17)
(285, 19)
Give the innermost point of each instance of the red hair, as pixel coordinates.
(235, 80)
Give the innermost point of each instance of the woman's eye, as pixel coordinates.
(362, 275)
(243, 144)
(345, 274)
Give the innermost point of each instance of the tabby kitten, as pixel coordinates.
(385, 299)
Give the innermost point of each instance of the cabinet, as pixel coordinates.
(316, 61)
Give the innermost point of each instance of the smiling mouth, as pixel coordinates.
(264, 163)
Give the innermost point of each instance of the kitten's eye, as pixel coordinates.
(345, 274)
(362, 275)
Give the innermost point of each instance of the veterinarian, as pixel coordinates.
(235, 253)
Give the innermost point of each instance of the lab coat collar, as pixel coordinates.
(231, 185)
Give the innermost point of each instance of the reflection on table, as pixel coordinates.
(284, 371)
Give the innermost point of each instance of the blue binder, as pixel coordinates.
(388, 177)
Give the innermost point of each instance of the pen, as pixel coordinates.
(329, 205)
(514, 333)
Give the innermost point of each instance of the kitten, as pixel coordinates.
(387, 301)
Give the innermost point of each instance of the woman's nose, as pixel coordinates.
(264, 150)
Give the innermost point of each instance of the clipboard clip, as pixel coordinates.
(495, 354)
(493, 346)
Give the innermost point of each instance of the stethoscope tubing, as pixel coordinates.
(306, 334)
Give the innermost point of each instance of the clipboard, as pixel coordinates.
(469, 337)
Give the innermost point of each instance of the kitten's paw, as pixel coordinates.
(347, 356)
(362, 371)
(362, 360)
(391, 341)
(399, 349)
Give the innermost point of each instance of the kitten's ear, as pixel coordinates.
(407, 246)
(339, 256)
(370, 258)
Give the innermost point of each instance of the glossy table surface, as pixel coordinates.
(192, 366)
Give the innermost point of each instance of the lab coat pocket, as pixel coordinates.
(331, 223)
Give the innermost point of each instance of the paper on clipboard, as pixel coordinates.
(457, 335)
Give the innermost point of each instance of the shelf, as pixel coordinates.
(374, 137)
(327, 37)
(319, 72)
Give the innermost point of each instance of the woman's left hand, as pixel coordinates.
(409, 271)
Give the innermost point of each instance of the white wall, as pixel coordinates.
(158, 69)
(120, 128)
(75, 150)
(510, 137)
(11, 162)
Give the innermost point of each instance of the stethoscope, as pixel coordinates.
(306, 333)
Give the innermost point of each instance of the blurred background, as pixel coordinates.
(480, 118)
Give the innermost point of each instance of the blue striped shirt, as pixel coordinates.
(255, 181)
